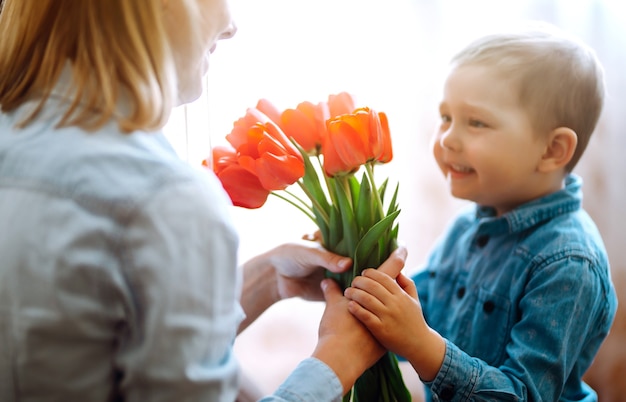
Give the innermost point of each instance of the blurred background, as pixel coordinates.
(392, 56)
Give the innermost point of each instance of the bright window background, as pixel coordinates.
(392, 56)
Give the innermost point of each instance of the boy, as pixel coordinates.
(516, 298)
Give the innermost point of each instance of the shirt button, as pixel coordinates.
(447, 393)
(432, 274)
(488, 306)
(482, 240)
(460, 293)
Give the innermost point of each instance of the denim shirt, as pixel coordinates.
(523, 300)
(118, 271)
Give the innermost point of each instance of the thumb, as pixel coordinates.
(331, 290)
(395, 263)
(334, 262)
(407, 285)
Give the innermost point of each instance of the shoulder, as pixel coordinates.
(569, 249)
(107, 172)
(571, 235)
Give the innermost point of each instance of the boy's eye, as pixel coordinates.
(477, 123)
(445, 118)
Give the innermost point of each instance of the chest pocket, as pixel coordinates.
(490, 328)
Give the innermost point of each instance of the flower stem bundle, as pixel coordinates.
(328, 152)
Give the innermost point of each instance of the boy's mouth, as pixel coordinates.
(460, 168)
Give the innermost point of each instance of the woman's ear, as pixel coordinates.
(560, 148)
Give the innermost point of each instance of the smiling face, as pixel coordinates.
(194, 28)
(486, 146)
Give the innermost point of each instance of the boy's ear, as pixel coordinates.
(560, 148)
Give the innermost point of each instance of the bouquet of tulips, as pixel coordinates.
(321, 148)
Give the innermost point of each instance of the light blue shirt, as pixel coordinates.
(118, 276)
(524, 301)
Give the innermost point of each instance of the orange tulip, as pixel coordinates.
(243, 187)
(355, 139)
(342, 103)
(387, 152)
(306, 124)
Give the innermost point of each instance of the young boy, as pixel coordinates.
(516, 298)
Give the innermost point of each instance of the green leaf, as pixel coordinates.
(365, 207)
(394, 378)
(393, 205)
(350, 235)
(382, 189)
(335, 232)
(354, 186)
(366, 244)
(367, 386)
(311, 181)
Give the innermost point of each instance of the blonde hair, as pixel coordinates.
(115, 48)
(559, 79)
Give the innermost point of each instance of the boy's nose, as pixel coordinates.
(449, 139)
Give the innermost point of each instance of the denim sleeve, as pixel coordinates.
(568, 307)
(311, 381)
(180, 265)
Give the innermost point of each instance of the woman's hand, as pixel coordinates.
(300, 266)
(290, 270)
(344, 344)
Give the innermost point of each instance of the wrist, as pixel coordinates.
(259, 290)
(429, 355)
(346, 370)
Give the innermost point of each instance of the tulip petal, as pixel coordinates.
(387, 150)
(276, 133)
(244, 188)
(267, 108)
(342, 103)
(223, 157)
(278, 172)
(301, 128)
(239, 134)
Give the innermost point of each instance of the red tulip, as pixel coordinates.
(242, 186)
(267, 108)
(265, 151)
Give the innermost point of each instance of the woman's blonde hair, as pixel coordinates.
(559, 79)
(115, 47)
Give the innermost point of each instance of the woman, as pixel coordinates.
(118, 277)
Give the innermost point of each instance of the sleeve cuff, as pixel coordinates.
(457, 377)
(311, 381)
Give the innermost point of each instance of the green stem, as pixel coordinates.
(292, 202)
(327, 180)
(370, 176)
(316, 205)
(302, 202)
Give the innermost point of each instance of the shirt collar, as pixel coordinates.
(564, 201)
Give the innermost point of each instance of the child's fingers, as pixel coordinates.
(407, 285)
(365, 297)
(383, 279)
(362, 314)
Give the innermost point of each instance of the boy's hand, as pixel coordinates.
(392, 312)
(388, 308)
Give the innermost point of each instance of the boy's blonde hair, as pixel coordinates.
(559, 79)
(115, 48)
